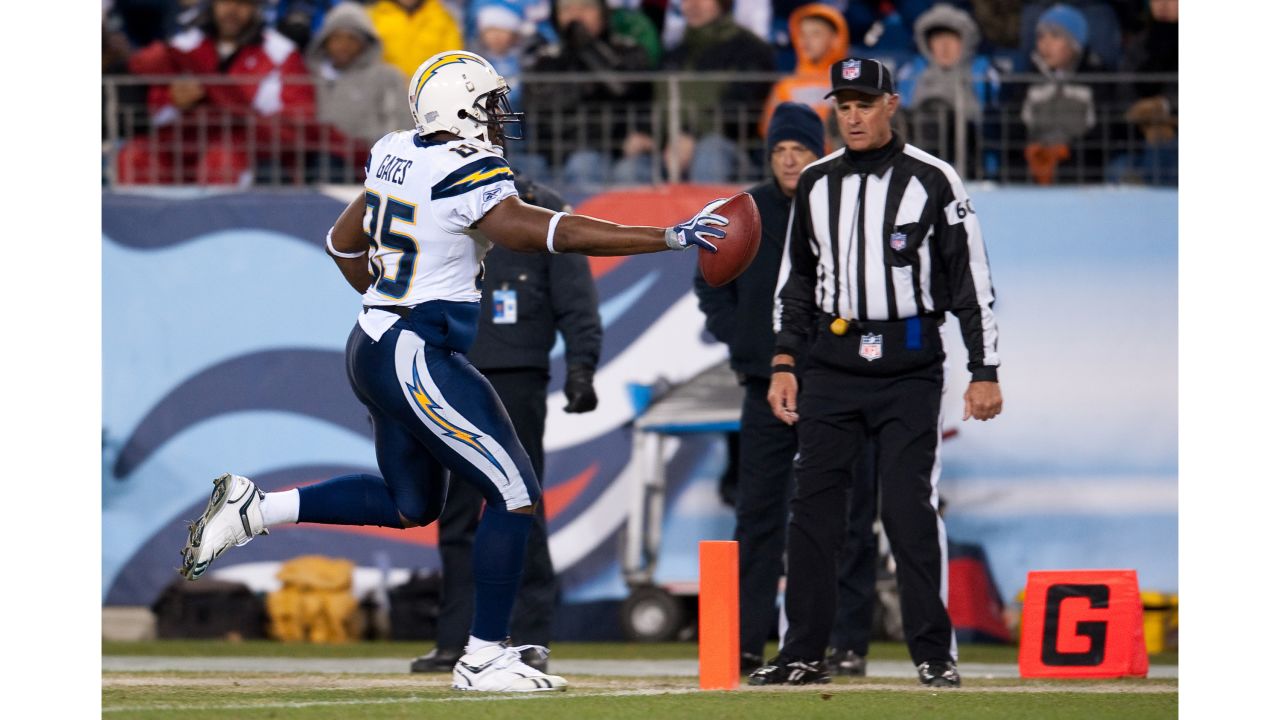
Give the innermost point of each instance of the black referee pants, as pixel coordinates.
(858, 560)
(838, 412)
(765, 484)
(524, 394)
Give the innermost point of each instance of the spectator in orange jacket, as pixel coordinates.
(202, 131)
(821, 37)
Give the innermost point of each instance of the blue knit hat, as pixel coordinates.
(1067, 19)
(794, 121)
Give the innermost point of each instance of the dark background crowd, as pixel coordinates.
(292, 91)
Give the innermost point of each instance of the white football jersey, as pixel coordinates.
(421, 199)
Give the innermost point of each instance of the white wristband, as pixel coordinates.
(551, 232)
(328, 243)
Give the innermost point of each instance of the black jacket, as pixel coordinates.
(565, 114)
(713, 106)
(740, 314)
(553, 292)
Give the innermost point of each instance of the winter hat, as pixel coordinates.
(1066, 19)
(499, 17)
(794, 121)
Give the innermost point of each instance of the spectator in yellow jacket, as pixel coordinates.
(414, 30)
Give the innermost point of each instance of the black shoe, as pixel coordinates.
(784, 670)
(939, 673)
(750, 663)
(847, 662)
(436, 661)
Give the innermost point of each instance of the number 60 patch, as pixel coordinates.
(958, 210)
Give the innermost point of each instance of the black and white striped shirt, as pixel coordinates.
(886, 234)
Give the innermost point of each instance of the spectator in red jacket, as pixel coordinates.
(210, 133)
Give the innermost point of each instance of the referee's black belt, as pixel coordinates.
(400, 310)
(825, 320)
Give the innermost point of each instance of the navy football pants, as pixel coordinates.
(433, 412)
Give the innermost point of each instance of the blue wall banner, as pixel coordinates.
(224, 324)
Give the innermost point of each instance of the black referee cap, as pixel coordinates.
(861, 74)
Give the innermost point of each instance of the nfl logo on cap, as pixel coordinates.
(862, 75)
(898, 241)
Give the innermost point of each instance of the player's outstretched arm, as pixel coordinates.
(349, 246)
(526, 228)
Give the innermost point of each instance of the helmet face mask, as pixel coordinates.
(498, 114)
(460, 93)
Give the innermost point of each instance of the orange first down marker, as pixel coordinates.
(718, 657)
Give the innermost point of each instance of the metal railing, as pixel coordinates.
(597, 131)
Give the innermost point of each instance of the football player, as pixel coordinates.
(412, 244)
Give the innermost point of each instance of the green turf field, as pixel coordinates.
(307, 695)
(284, 697)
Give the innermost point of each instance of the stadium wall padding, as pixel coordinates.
(224, 324)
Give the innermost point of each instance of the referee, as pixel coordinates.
(883, 239)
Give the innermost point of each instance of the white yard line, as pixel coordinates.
(461, 697)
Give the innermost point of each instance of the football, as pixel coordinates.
(738, 247)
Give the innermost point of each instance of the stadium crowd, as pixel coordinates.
(295, 91)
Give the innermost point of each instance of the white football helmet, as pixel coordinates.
(460, 93)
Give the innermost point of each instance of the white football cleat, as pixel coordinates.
(498, 668)
(232, 518)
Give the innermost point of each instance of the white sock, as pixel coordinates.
(280, 508)
(475, 644)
